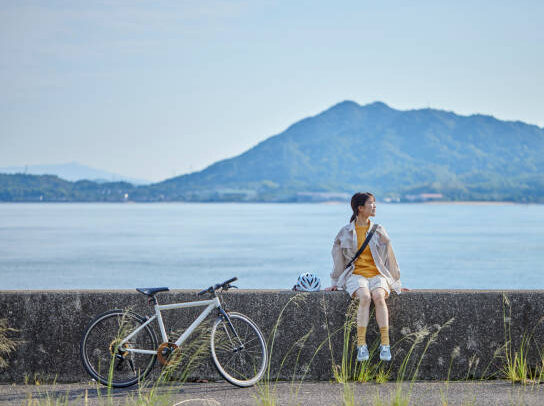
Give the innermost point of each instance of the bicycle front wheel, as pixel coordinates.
(110, 362)
(238, 350)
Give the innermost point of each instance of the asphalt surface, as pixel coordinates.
(308, 393)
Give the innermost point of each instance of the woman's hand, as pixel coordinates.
(330, 288)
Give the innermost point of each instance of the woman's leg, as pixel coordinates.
(382, 314)
(363, 294)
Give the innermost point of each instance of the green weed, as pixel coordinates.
(516, 365)
(348, 369)
(348, 397)
(265, 393)
(7, 343)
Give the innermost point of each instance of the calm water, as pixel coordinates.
(65, 246)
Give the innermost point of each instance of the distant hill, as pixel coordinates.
(347, 148)
(394, 153)
(72, 171)
(50, 188)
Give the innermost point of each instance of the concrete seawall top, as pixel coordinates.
(470, 330)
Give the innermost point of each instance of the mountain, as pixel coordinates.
(395, 154)
(50, 188)
(72, 171)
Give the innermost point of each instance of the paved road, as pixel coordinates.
(309, 393)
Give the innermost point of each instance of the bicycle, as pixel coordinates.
(119, 348)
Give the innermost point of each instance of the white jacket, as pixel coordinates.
(344, 249)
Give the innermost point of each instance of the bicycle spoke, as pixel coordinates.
(246, 342)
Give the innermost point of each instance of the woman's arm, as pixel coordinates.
(338, 260)
(388, 257)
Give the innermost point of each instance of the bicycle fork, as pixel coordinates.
(223, 314)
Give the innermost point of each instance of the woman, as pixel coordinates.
(371, 276)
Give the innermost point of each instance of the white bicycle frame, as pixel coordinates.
(212, 304)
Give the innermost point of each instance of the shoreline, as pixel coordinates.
(478, 203)
(327, 202)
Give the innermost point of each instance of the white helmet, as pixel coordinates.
(307, 282)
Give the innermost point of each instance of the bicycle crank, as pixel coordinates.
(164, 351)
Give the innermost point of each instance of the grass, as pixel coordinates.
(349, 370)
(348, 397)
(7, 343)
(444, 393)
(518, 362)
(265, 393)
(516, 365)
(40, 379)
(409, 370)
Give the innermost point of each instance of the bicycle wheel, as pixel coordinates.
(109, 363)
(239, 357)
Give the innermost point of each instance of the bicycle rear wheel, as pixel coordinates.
(108, 362)
(240, 356)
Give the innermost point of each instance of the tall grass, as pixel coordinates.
(265, 394)
(7, 343)
(409, 370)
(349, 370)
(517, 367)
(518, 360)
(444, 393)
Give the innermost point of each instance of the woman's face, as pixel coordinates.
(369, 209)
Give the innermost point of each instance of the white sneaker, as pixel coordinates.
(362, 353)
(385, 352)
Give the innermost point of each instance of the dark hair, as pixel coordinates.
(359, 199)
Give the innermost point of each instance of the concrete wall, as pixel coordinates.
(468, 324)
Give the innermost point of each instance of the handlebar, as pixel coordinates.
(225, 285)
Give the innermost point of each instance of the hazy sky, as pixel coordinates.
(153, 89)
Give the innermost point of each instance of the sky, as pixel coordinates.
(155, 89)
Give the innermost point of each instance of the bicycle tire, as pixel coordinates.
(241, 367)
(112, 367)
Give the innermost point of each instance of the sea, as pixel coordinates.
(194, 245)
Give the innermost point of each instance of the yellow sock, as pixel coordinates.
(361, 335)
(384, 333)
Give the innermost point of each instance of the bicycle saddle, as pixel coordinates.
(152, 291)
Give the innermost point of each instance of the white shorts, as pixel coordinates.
(355, 282)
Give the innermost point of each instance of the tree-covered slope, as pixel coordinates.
(29, 188)
(374, 147)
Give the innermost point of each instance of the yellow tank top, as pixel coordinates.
(364, 265)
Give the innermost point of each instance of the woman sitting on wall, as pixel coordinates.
(369, 276)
